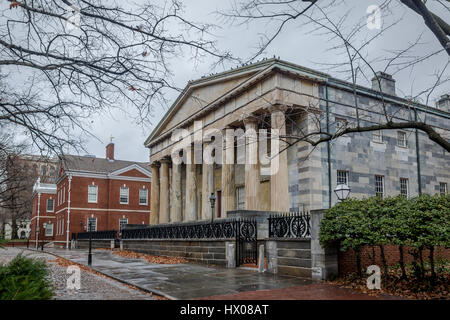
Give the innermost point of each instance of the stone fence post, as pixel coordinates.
(324, 260)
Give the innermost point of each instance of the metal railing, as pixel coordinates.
(290, 225)
(219, 229)
(96, 235)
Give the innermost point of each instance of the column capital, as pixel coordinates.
(155, 164)
(165, 160)
(250, 119)
(277, 107)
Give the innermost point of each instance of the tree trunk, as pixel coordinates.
(433, 272)
(402, 262)
(383, 260)
(358, 261)
(13, 228)
(422, 266)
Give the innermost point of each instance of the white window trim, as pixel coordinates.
(47, 234)
(128, 195)
(407, 187)
(64, 194)
(146, 197)
(96, 194)
(87, 223)
(347, 176)
(405, 140)
(445, 188)
(377, 133)
(382, 185)
(53, 210)
(121, 220)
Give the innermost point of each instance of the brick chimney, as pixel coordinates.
(444, 103)
(110, 151)
(386, 82)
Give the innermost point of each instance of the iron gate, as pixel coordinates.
(246, 242)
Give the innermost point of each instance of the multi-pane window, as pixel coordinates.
(404, 187)
(401, 139)
(64, 194)
(379, 186)
(377, 136)
(443, 188)
(342, 177)
(124, 195)
(122, 223)
(92, 224)
(49, 230)
(240, 196)
(143, 196)
(50, 205)
(92, 194)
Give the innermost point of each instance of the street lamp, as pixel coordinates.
(212, 199)
(42, 245)
(342, 191)
(90, 243)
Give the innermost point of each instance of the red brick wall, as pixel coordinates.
(347, 259)
(108, 209)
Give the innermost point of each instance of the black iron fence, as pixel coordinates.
(96, 235)
(290, 225)
(220, 229)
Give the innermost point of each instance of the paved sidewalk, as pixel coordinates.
(179, 281)
(192, 281)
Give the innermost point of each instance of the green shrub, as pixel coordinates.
(420, 223)
(24, 279)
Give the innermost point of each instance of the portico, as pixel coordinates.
(210, 141)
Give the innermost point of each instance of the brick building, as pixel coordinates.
(105, 192)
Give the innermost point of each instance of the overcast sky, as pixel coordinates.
(295, 44)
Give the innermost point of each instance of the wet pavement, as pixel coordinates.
(192, 281)
(179, 281)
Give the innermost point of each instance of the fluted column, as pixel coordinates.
(228, 180)
(154, 199)
(251, 165)
(207, 189)
(175, 206)
(191, 206)
(164, 192)
(279, 193)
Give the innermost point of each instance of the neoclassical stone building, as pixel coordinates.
(211, 115)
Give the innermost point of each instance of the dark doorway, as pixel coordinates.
(219, 204)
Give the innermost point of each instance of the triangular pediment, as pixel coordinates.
(132, 171)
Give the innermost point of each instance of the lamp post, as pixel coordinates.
(90, 244)
(342, 191)
(212, 199)
(42, 245)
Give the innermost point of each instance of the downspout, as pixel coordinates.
(419, 176)
(68, 212)
(37, 221)
(328, 148)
